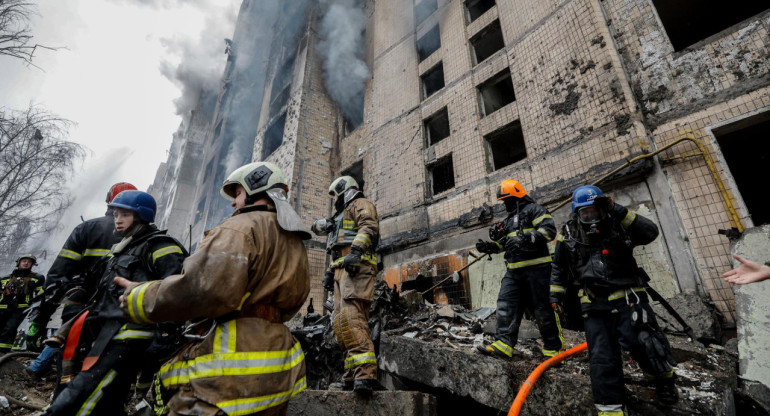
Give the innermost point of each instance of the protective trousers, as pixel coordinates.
(186, 402)
(9, 323)
(519, 289)
(352, 298)
(607, 332)
(103, 388)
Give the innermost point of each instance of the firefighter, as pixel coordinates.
(71, 272)
(248, 276)
(17, 291)
(596, 248)
(115, 347)
(524, 236)
(353, 234)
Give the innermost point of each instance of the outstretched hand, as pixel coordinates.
(124, 283)
(748, 272)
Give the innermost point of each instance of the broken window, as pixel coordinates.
(209, 166)
(432, 80)
(746, 149)
(485, 43)
(199, 211)
(273, 137)
(442, 175)
(429, 43)
(423, 10)
(281, 88)
(218, 129)
(475, 8)
(437, 127)
(505, 146)
(688, 21)
(496, 93)
(356, 171)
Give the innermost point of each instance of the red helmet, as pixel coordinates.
(118, 188)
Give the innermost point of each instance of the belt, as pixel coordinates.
(267, 312)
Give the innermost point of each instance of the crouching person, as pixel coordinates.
(116, 348)
(596, 247)
(248, 276)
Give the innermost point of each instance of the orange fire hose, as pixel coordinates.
(530, 381)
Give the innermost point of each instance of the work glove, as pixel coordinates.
(604, 202)
(514, 244)
(328, 282)
(352, 262)
(322, 226)
(487, 247)
(34, 337)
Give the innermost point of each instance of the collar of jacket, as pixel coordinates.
(253, 208)
(138, 236)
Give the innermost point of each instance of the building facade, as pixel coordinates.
(465, 93)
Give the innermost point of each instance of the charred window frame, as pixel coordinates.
(689, 21)
(496, 93)
(356, 171)
(436, 127)
(429, 43)
(746, 151)
(487, 42)
(432, 80)
(476, 8)
(505, 146)
(423, 10)
(281, 88)
(273, 137)
(441, 175)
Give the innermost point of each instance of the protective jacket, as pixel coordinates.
(530, 222)
(19, 289)
(604, 264)
(356, 226)
(247, 276)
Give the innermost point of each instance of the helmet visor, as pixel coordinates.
(589, 214)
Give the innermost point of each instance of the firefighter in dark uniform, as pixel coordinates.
(524, 236)
(71, 271)
(594, 251)
(116, 349)
(17, 291)
(353, 234)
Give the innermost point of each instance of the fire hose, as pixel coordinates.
(518, 403)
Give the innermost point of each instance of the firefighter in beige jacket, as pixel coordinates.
(353, 234)
(248, 276)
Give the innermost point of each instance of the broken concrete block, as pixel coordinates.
(446, 312)
(706, 378)
(701, 317)
(345, 403)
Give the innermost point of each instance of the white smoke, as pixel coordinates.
(342, 49)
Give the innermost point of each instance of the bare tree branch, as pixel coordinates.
(36, 163)
(15, 33)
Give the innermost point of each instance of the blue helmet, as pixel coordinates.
(142, 203)
(584, 196)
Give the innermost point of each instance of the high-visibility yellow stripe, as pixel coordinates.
(622, 293)
(628, 219)
(545, 233)
(363, 239)
(253, 405)
(360, 359)
(135, 306)
(97, 394)
(69, 254)
(243, 300)
(231, 364)
(516, 232)
(559, 237)
(225, 337)
(164, 251)
(527, 263)
(503, 347)
(540, 219)
(133, 334)
(558, 289)
(96, 252)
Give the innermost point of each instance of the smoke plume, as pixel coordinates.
(342, 50)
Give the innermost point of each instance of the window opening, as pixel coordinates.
(423, 10)
(688, 21)
(437, 127)
(746, 149)
(429, 43)
(485, 43)
(496, 93)
(273, 137)
(442, 175)
(356, 170)
(505, 146)
(432, 80)
(476, 8)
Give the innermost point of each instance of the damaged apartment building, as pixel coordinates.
(666, 105)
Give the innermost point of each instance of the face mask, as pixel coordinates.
(339, 204)
(589, 215)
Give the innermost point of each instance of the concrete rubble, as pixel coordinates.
(432, 351)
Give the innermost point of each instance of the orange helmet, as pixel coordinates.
(118, 188)
(510, 187)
